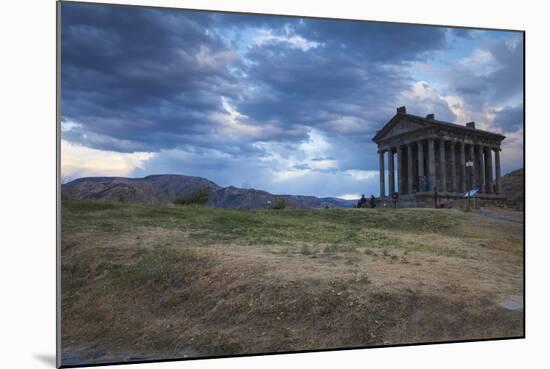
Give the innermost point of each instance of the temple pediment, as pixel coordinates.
(403, 123)
(398, 127)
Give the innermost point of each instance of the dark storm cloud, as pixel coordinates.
(145, 77)
(348, 85)
(501, 79)
(509, 119)
(507, 80)
(377, 42)
(150, 79)
(235, 97)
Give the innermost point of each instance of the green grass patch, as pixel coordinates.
(340, 229)
(158, 269)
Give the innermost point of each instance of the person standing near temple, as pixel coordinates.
(362, 201)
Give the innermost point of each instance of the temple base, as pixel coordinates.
(444, 200)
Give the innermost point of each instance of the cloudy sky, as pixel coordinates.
(283, 104)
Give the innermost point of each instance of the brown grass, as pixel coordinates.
(155, 291)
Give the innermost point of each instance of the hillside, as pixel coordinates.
(144, 282)
(162, 189)
(513, 188)
(155, 189)
(239, 198)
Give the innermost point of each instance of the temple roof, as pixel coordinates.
(403, 123)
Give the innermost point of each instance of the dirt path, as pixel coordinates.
(508, 215)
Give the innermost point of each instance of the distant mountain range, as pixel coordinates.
(163, 189)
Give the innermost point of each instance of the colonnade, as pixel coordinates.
(431, 163)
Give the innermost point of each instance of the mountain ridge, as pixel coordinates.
(166, 188)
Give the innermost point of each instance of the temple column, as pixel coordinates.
(400, 170)
(481, 170)
(410, 168)
(442, 164)
(391, 172)
(421, 172)
(489, 170)
(452, 150)
(431, 164)
(472, 184)
(382, 174)
(463, 178)
(497, 169)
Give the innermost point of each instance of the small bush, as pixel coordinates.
(329, 249)
(306, 250)
(386, 253)
(362, 278)
(280, 203)
(332, 248)
(199, 197)
(370, 252)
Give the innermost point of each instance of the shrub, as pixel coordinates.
(198, 197)
(362, 278)
(329, 249)
(280, 203)
(306, 250)
(370, 252)
(332, 248)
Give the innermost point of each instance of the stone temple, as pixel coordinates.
(431, 156)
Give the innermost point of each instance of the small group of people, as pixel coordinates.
(362, 203)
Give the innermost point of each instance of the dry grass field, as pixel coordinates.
(150, 282)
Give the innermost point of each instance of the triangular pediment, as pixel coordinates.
(396, 127)
(402, 123)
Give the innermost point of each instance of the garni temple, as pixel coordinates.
(437, 162)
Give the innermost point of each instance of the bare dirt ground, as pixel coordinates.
(502, 213)
(139, 284)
